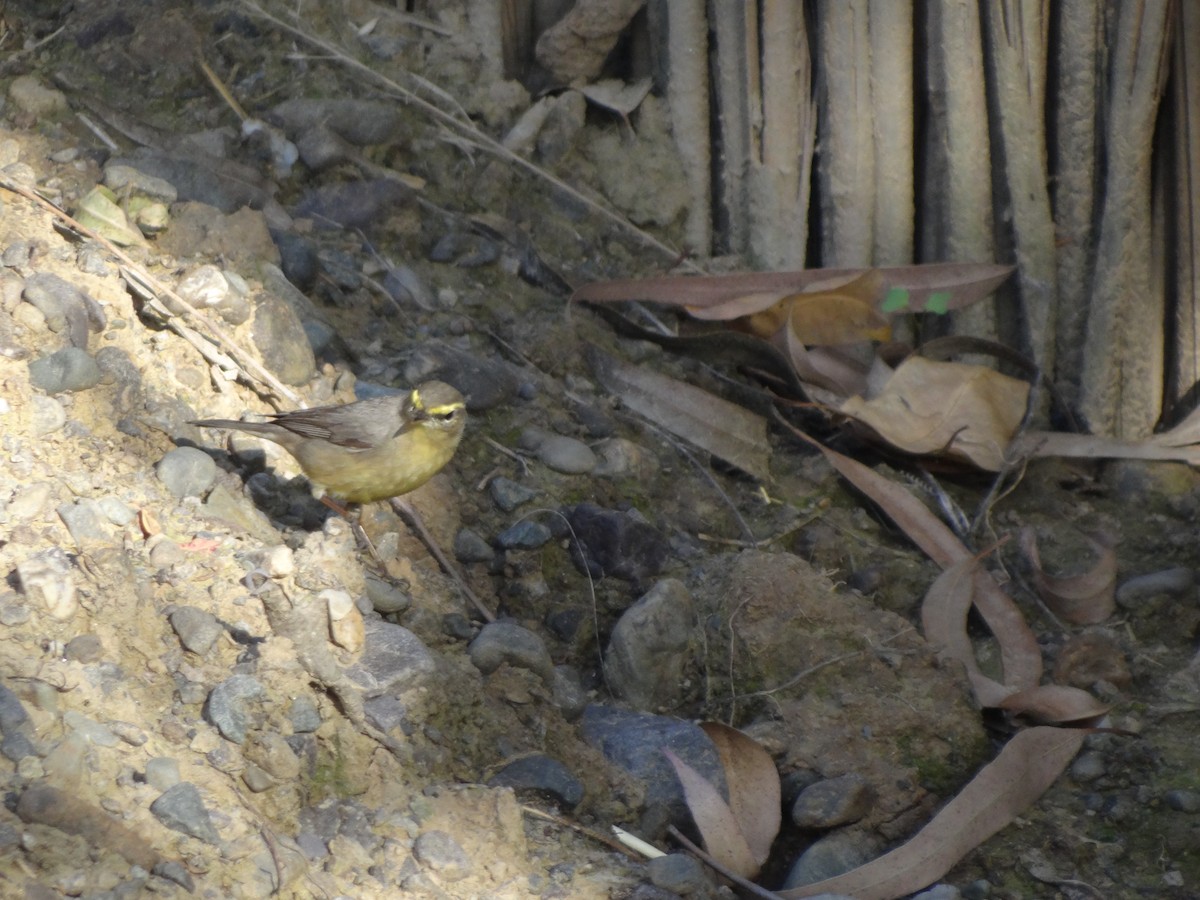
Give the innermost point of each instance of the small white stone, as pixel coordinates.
(346, 625)
(280, 562)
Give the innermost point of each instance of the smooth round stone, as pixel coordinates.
(187, 471)
(525, 535)
(508, 494)
(439, 852)
(567, 455)
(65, 371)
(506, 642)
(470, 547)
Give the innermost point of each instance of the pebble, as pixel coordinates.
(65, 371)
(392, 657)
(85, 521)
(1172, 582)
(90, 730)
(197, 629)
(30, 501)
(46, 579)
(385, 597)
(118, 177)
(508, 494)
(162, 772)
(441, 853)
(678, 872)
(405, 286)
(279, 562)
(469, 547)
(648, 650)
(939, 892)
(129, 733)
(206, 287)
(164, 552)
(279, 336)
(304, 715)
(346, 626)
(270, 751)
(568, 693)
(619, 544)
(619, 457)
(67, 310)
(499, 643)
(1183, 801)
(1088, 766)
(541, 774)
(115, 511)
(187, 471)
(834, 854)
(256, 779)
(84, 648)
(181, 809)
(15, 727)
(47, 416)
(560, 453)
(29, 95)
(524, 535)
(833, 802)
(234, 706)
(633, 741)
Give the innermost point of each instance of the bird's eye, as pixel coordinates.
(448, 416)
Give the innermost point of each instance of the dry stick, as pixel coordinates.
(248, 367)
(408, 513)
(582, 829)
(741, 882)
(468, 130)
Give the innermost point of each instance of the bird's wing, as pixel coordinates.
(360, 426)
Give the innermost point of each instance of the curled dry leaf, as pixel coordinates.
(954, 409)
(1002, 790)
(716, 822)
(1019, 649)
(755, 795)
(1055, 704)
(944, 621)
(1083, 599)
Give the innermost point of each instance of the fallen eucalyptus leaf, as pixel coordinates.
(948, 409)
(724, 429)
(1003, 789)
(718, 826)
(1084, 599)
(754, 789)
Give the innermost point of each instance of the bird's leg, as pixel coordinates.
(409, 514)
(360, 533)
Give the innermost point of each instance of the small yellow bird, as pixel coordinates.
(369, 450)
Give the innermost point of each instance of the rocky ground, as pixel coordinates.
(206, 686)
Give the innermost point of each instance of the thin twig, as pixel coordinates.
(409, 514)
(249, 368)
(467, 129)
(582, 829)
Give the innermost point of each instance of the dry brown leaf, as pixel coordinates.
(718, 827)
(1055, 704)
(1019, 650)
(755, 795)
(1166, 446)
(1002, 790)
(946, 408)
(726, 430)
(944, 621)
(935, 287)
(844, 315)
(831, 369)
(1084, 599)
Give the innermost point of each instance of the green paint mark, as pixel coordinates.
(896, 300)
(938, 302)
